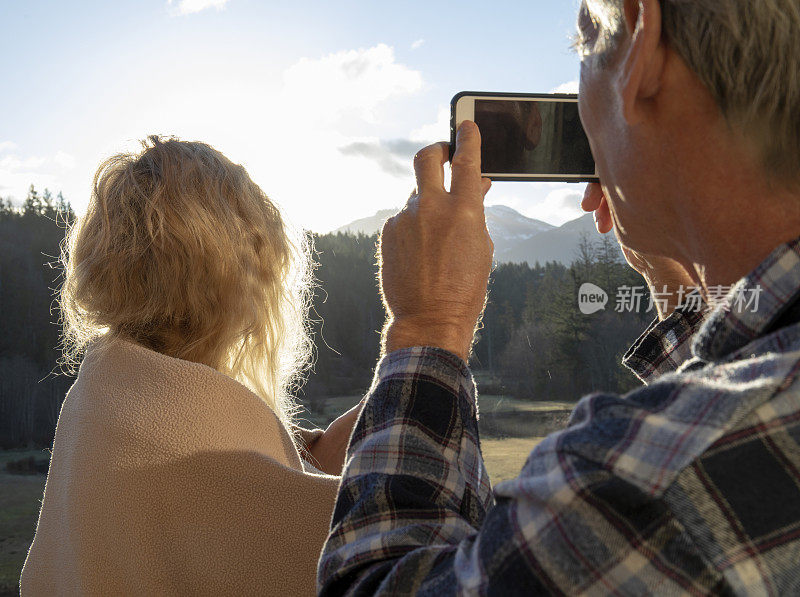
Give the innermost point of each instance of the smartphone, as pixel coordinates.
(537, 137)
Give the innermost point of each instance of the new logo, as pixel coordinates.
(591, 298)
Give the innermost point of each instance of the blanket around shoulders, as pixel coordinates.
(168, 477)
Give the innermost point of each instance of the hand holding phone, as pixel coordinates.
(436, 254)
(536, 137)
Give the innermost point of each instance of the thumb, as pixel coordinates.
(592, 197)
(602, 217)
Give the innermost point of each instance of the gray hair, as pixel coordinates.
(746, 52)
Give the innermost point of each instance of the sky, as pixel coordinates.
(325, 103)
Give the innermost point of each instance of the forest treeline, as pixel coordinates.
(534, 342)
(30, 391)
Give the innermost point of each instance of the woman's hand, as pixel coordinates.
(664, 275)
(329, 450)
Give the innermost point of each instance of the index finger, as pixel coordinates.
(466, 164)
(429, 166)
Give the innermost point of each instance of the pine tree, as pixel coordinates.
(33, 205)
(6, 209)
(48, 205)
(64, 210)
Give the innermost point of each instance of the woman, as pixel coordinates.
(177, 467)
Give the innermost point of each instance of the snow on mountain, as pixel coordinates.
(516, 237)
(504, 223)
(508, 228)
(558, 244)
(510, 224)
(369, 225)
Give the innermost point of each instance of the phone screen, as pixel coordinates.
(531, 137)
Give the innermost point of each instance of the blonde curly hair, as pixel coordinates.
(181, 252)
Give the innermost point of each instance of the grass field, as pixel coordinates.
(509, 431)
(503, 453)
(326, 410)
(19, 508)
(504, 457)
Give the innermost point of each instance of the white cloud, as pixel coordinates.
(563, 204)
(18, 172)
(287, 131)
(395, 156)
(65, 160)
(324, 145)
(568, 87)
(12, 163)
(417, 44)
(347, 85)
(436, 131)
(552, 202)
(186, 7)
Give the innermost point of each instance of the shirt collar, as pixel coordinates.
(750, 308)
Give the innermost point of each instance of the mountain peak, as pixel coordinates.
(516, 237)
(507, 221)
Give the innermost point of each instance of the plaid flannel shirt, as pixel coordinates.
(687, 485)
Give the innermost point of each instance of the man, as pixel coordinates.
(689, 484)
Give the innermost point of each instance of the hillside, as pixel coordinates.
(516, 237)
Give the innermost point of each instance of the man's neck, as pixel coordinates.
(731, 242)
(729, 213)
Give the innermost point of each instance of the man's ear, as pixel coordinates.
(642, 62)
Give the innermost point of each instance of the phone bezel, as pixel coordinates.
(519, 177)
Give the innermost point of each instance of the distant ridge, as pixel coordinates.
(516, 237)
(369, 225)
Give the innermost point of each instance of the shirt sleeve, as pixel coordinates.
(664, 345)
(415, 513)
(303, 439)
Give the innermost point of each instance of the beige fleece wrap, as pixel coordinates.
(168, 477)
